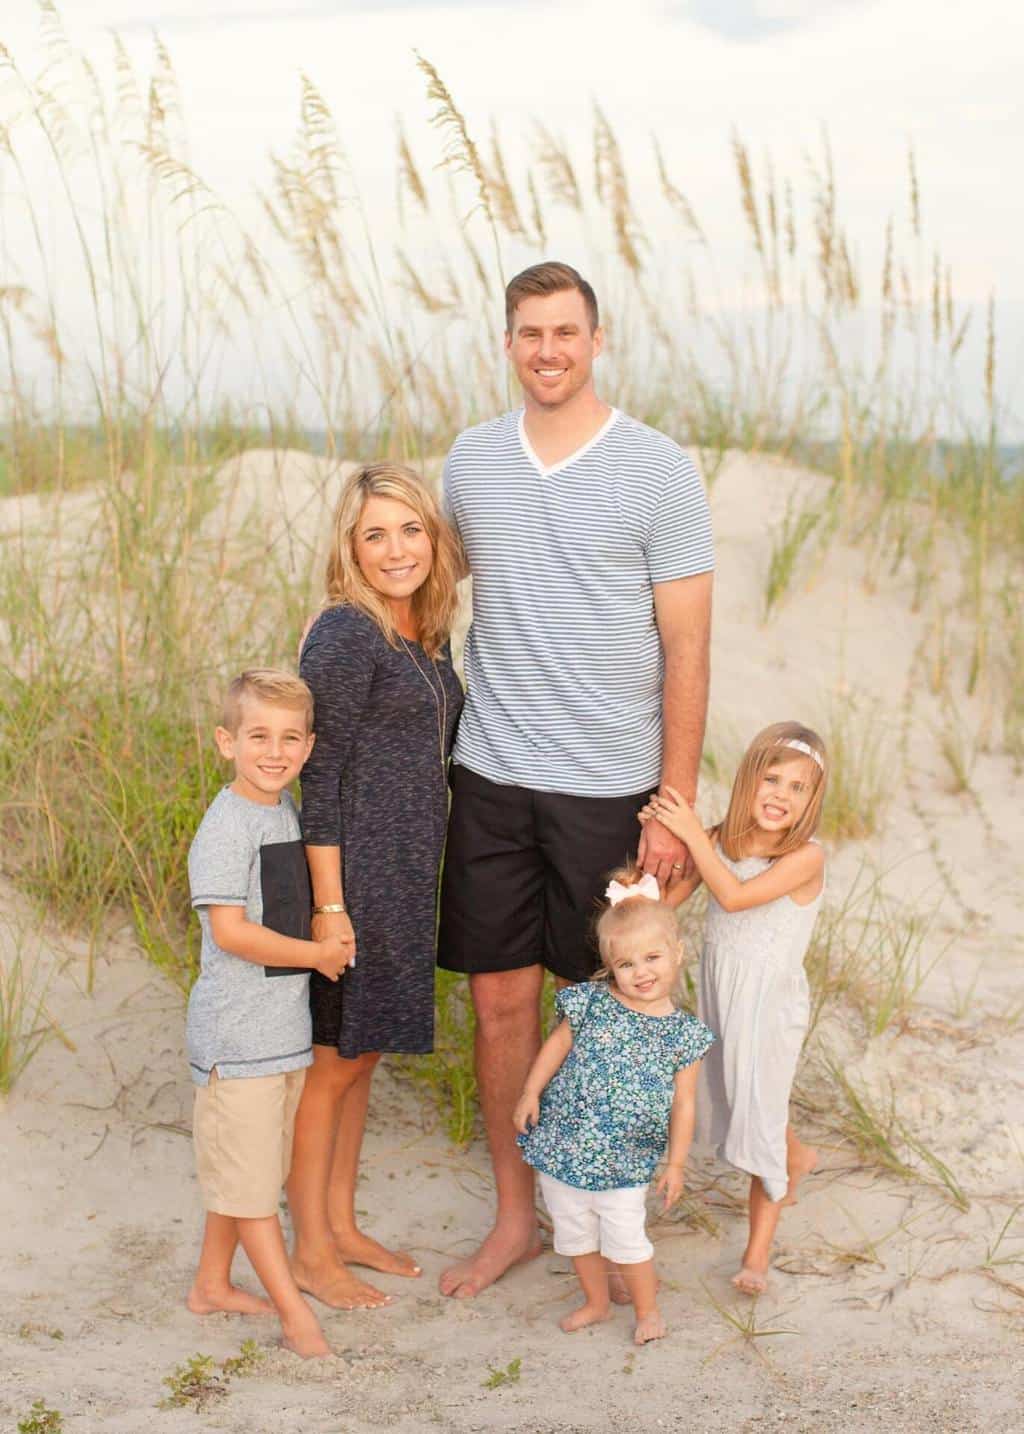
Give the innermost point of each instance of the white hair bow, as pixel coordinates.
(647, 887)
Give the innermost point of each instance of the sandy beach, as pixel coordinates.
(897, 1304)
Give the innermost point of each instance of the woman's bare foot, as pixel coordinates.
(225, 1300)
(586, 1314)
(502, 1249)
(332, 1284)
(355, 1248)
(800, 1166)
(305, 1338)
(750, 1281)
(652, 1326)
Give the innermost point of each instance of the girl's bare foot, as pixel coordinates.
(800, 1166)
(586, 1314)
(749, 1281)
(305, 1338)
(227, 1300)
(332, 1284)
(355, 1248)
(652, 1326)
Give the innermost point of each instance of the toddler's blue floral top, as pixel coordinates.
(604, 1115)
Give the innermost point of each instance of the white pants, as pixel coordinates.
(588, 1221)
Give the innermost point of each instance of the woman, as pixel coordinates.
(374, 806)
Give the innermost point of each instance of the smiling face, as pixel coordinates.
(783, 794)
(392, 548)
(552, 348)
(644, 965)
(268, 749)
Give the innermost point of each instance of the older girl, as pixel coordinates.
(374, 805)
(765, 876)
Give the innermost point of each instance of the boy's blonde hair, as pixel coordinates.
(628, 917)
(266, 684)
(435, 601)
(770, 747)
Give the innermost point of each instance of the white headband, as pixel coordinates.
(646, 887)
(807, 750)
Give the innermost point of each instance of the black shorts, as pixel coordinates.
(524, 872)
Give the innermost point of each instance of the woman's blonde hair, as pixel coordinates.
(771, 746)
(626, 917)
(433, 603)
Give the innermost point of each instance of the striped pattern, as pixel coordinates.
(563, 662)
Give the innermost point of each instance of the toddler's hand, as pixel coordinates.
(333, 954)
(526, 1113)
(671, 1185)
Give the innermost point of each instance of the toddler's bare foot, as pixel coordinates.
(206, 1299)
(355, 1248)
(332, 1284)
(305, 1338)
(504, 1247)
(801, 1166)
(652, 1326)
(750, 1281)
(586, 1314)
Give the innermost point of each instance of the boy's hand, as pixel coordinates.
(332, 956)
(336, 923)
(527, 1113)
(671, 1185)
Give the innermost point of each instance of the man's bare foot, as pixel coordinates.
(749, 1281)
(305, 1338)
(586, 1314)
(355, 1248)
(498, 1253)
(227, 1300)
(800, 1167)
(334, 1285)
(652, 1326)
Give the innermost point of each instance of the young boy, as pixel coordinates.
(249, 1034)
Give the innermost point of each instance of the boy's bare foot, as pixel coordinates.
(801, 1166)
(355, 1248)
(503, 1248)
(305, 1338)
(334, 1285)
(586, 1314)
(226, 1300)
(652, 1326)
(749, 1281)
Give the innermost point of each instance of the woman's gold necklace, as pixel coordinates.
(440, 704)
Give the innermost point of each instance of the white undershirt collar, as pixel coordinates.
(541, 468)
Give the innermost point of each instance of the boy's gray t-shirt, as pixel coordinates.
(245, 1019)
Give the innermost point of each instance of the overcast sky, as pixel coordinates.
(880, 74)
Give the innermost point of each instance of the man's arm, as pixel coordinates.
(682, 610)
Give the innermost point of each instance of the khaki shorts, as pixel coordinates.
(242, 1131)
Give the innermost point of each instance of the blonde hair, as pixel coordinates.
(266, 684)
(627, 917)
(769, 748)
(434, 602)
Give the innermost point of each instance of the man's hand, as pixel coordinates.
(662, 854)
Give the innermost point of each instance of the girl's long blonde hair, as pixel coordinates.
(769, 747)
(435, 602)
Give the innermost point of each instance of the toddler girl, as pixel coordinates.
(765, 875)
(611, 1086)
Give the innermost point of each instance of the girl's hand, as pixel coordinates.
(336, 923)
(672, 1184)
(527, 1113)
(673, 811)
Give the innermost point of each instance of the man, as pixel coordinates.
(587, 669)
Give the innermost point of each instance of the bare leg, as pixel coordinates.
(507, 1007)
(263, 1242)
(212, 1289)
(643, 1291)
(315, 1262)
(352, 1245)
(592, 1273)
(752, 1276)
(800, 1161)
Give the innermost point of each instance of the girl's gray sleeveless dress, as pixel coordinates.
(753, 994)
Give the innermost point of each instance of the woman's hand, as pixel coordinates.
(527, 1113)
(337, 924)
(671, 1185)
(674, 812)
